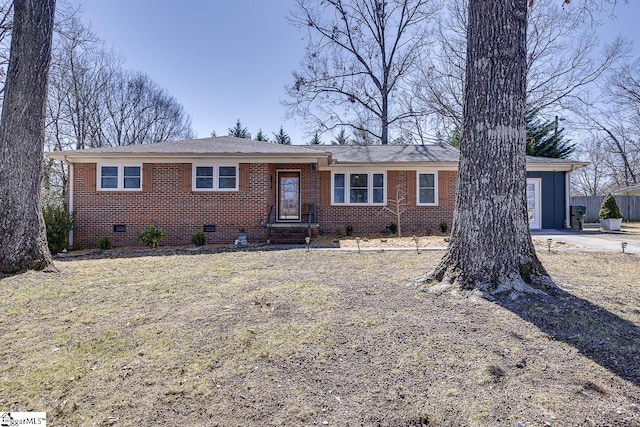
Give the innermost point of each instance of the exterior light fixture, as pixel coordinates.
(624, 246)
(549, 244)
(308, 240)
(358, 243)
(415, 239)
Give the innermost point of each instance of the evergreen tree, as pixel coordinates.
(544, 139)
(239, 131)
(260, 136)
(316, 139)
(282, 137)
(213, 134)
(341, 138)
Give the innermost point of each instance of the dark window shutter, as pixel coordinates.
(245, 181)
(325, 179)
(185, 177)
(411, 188)
(90, 177)
(147, 177)
(392, 183)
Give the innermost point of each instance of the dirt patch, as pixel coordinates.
(317, 338)
(420, 241)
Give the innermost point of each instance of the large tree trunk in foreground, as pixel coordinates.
(491, 247)
(23, 242)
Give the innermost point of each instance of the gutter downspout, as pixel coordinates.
(71, 189)
(567, 198)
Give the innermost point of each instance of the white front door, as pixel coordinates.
(534, 208)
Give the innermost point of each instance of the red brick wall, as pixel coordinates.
(168, 202)
(373, 219)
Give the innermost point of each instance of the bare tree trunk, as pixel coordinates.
(491, 248)
(23, 243)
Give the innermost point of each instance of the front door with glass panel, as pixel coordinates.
(288, 196)
(534, 209)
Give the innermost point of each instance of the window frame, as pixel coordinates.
(370, 187)
(216, 176)
(120, 176)
(435, 187)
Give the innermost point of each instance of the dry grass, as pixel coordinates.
(305, 338)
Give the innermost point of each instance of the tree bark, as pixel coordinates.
(491, 248)
(23, 242)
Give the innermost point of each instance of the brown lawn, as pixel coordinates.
(290, 338)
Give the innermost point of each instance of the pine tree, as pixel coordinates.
(544, 139)
(239, 132)
(260, 136)
(282, 137)
(341, 138)
(316, 139)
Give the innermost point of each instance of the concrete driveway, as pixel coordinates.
(593, 239)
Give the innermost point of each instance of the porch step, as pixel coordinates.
(291, 235)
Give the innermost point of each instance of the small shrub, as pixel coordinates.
(609, 208)
(348, 229)
(393, 228)
(444, 226)
(59, 222)
(152, 236)
(104, 243)
(198, 238)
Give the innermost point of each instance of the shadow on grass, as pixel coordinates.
(596, 333)
(168, 251)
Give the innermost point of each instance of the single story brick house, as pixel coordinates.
(223, 186)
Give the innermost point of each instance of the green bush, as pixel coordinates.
(59, 222)
(152, 236)
(104, 243)
(393, 228)
(609, 208)
(198, 238)
(444, 226)
(348, 229)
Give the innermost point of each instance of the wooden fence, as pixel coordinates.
(629, 205)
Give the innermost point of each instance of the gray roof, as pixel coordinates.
(391, 153)
(217, 145)
(632, 189)
(340, 154)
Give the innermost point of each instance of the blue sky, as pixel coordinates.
(230, 59)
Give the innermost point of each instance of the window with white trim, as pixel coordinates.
(212, 177)
(362, 188)
(427, 188)
(119, 177)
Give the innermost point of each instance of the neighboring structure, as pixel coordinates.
(632, 190)
(282, 192)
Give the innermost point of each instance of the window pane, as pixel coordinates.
(227, 171)
(131, 182)
(427, 195)
(109, 171)
(338, 195)
(378, 195)
(378, 180)
(358, 196)
(204, 182)
(132, 171)
(427, 180)
(338, 180)
(204, 171)
(359, 180)
(107, 182)
(227, 182)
